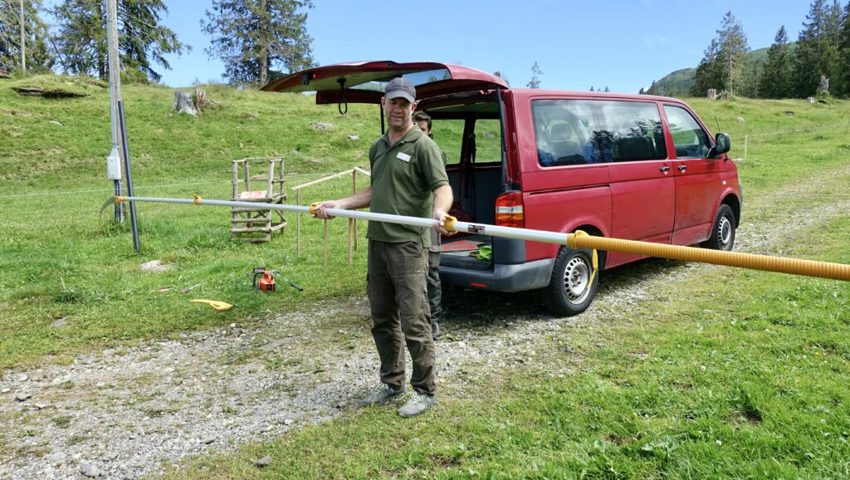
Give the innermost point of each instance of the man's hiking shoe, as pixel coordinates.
(418, 403)
(435, 330)
(382, 394)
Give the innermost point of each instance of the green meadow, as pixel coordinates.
(723, 373)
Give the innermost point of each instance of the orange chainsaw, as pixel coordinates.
(264, 280)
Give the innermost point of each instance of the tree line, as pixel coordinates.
(816, 65)
(257, 40)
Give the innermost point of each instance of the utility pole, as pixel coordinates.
(113, 162)
(119, 128)
(23, 41)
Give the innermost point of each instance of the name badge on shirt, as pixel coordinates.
(403, 157)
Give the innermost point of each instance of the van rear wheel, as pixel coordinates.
(573, 285)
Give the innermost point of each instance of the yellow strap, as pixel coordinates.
(196, 199)
(594, 258)
(314, 207)
(119, 199)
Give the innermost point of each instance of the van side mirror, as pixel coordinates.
(722, 144)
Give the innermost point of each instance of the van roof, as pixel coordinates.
(530, 92)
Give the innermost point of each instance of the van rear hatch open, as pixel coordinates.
(363, 82)
(465, 106)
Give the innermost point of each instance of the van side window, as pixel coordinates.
(562, 130)
(632, 131)
(690, 139)
(573, 132)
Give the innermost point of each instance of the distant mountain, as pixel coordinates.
(679, 83)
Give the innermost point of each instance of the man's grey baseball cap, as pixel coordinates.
(400, 87)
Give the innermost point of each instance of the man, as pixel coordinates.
(435, 288)
(408, 178)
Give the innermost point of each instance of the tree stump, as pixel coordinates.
(200, 99)
(183, 103)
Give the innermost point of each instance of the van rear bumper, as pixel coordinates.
(501, 278)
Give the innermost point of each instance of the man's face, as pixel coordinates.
(423, 125)
(398, 111)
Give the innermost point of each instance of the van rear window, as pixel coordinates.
(574, 132)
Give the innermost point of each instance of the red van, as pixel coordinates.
(637, 167)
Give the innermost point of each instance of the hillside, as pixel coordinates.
(679, 82)
(51, 142)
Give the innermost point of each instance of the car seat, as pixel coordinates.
(564, 144)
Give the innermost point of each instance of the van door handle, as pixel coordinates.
(682, 168)
(664, 169)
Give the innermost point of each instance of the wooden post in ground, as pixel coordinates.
(298, 224)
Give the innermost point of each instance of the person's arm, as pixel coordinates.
(443, 199)
(361, 199)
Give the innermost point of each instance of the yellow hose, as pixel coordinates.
(810, 268)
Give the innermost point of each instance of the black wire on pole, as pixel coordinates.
(123, 130)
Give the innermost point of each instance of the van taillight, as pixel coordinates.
(509, 210)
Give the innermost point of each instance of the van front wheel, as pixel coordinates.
(573, 285)
(723, 231)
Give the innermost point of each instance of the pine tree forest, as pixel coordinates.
(816, 65)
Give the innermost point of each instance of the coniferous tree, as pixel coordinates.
(707, 75)
(816, 53)
(259, 40)
(843, 74)
(724, 64)
(776, 78)
(37, 56)
(750, 81)
(142, 41)
(536, 72)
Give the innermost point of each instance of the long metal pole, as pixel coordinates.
(126, 154)
(811, 268)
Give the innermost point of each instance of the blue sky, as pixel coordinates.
(621, 44)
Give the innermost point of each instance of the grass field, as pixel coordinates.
(745, 379)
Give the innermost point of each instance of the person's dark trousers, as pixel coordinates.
(435, 288)
(398, 298)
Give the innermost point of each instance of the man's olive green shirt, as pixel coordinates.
(404, 177)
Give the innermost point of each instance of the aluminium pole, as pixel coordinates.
(125, 151)
(812, 268)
